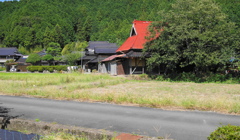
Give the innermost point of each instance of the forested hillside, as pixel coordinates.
(36, 23)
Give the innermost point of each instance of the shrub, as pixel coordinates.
(160, 78)
(188, 77)
(58, 68)
(227, 132)
(32, 68)
(94, 71)
(50, 69)
(45, 67)
(36, 68)
(198, 78)
(2, 68)
(10, 61)
(61, 68)
(29, 68)
(40, 69)
(144, 76)
(64, 68)
(216, 77)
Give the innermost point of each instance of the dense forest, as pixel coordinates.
(31, 24)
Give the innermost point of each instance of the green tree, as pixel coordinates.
(80, 46)
(54, 49)
(73, 51)
(73, 47)
(71, 58)
(23, 50)
(67, 48)
(47, 38)
(86, 30)
(232, 9)
(57, 35)
(33, 58)
(194, 33)
(47, 57)
(32, 23)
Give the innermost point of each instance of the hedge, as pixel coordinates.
(47, 68)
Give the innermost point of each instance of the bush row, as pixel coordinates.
(47, 68)
(226, 132)
(198, 78)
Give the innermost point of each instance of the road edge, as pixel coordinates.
(45, 128)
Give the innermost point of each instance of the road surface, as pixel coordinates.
(179, 125)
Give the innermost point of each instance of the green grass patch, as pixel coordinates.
(2, 68)
(121, 90)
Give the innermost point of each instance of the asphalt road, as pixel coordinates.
(179, 125)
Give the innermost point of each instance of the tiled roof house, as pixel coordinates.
(8, 54)
(128, 58)
(95, 53)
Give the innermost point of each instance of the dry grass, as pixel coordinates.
(223, 98)
(62, 136)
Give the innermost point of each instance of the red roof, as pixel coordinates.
(137, 40)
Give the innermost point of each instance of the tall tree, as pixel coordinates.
(86, 30)
(57, 35)
(193, 33)
(47, 38)
(54, 49)
(71, 58)
(33, 58)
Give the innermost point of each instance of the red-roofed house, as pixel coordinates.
(128, 59)
(137, 37)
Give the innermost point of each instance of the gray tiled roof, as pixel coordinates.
(98, 59)
(134, 54)
(22, 59)
(101, 44)
(107, 50)
(89, 57)
(9, 51)
(93, 44)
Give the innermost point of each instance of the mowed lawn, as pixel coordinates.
(223, 98)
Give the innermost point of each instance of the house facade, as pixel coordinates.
(9, 54)
(129, 58)
(95, 53)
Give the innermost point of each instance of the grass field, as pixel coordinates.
(224, 98)
(66, 136)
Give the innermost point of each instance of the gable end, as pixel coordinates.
(133, 31)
